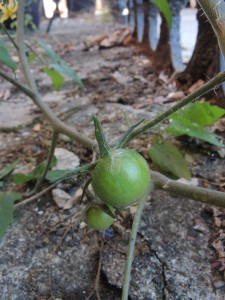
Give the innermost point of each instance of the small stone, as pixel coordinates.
(176, 95)
(199, 227)
(120, 78)
(66, 160)
(37, 127)
(196, 85)
(60, 197)
(219, 284)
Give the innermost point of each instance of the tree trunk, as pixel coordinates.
(204, 62)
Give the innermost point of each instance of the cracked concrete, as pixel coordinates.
(172, 259)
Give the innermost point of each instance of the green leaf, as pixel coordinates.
(49, 52)
(63, 68)
(193, 119)
(5, 57)
(19, 178)
(178, 129)
(164, 7)
(8, 169)
(6, 209)
(168, 158)
(32, 56)
(56, 175)
(60, 66)
(56, 77)
(200, 113)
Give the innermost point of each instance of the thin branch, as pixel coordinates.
(199, 194)
(16, 83)
(70, 174)
(35, 197)
(58, 124)
(9, 36)
(50, 156)
(21, 47)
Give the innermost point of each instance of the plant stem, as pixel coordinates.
(215, 11)
(57, 124)
(77, 171)
(196, 193)
(213, 83)
(50, 156)
(16, 83)
(130, 253)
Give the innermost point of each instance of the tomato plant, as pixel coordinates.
(121, 178)
(98, 219)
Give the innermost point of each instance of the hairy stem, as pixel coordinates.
(212, 84)
(215, 11)
(199, 194)
(130, 253)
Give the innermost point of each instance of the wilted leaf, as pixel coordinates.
(5, 57)
(6, 209)
(56, 77)
(169, 159)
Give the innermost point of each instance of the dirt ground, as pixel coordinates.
(175, 241)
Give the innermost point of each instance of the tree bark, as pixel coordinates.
(204, 62)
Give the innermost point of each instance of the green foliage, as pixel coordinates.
(60, 66)
(31, 57)
(35, 174)
(8, 169)
(56, 77)
(5, 57)
(163, 6)
(6, 209)
(56, 175)
(28, 22)
(168, 158)
(193, 119)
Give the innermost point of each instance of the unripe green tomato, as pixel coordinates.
(121, 178)
(98, 219)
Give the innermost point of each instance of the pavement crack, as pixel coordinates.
(163, 273)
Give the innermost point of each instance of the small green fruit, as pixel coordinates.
(98, 219)
(121, 178)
